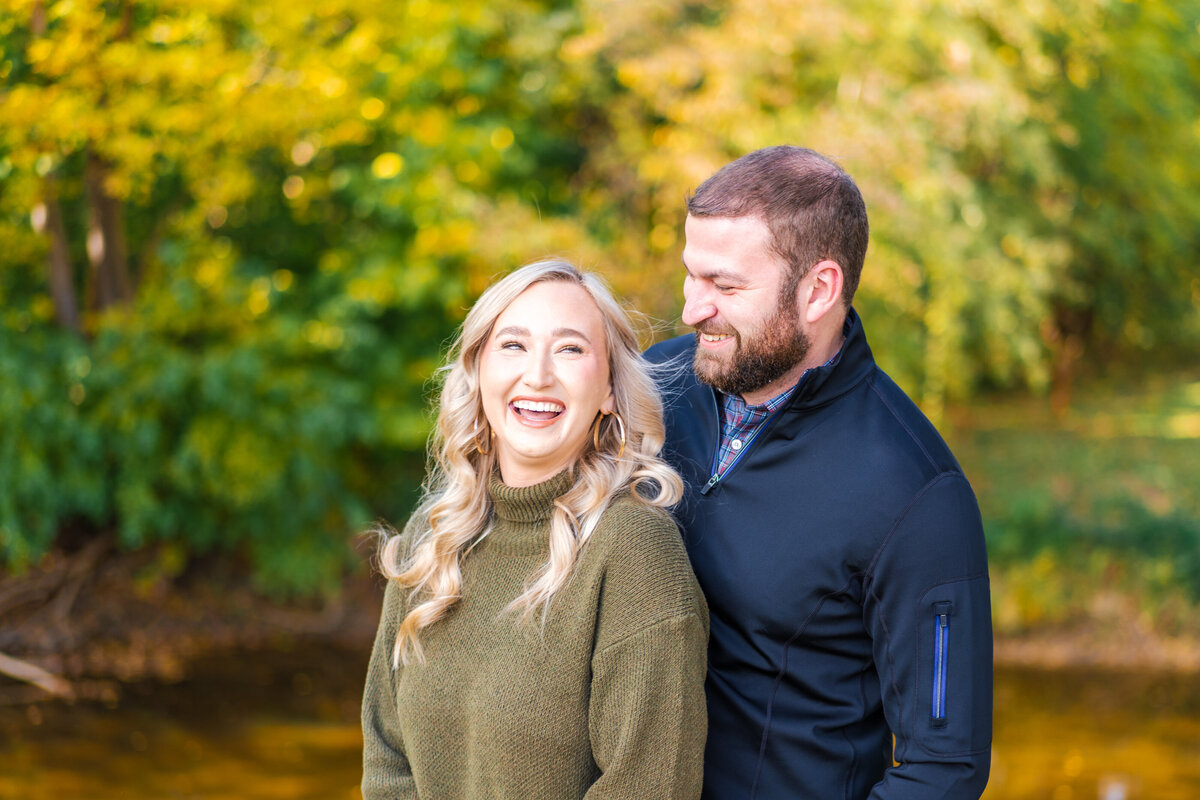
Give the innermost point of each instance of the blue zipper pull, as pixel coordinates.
(711, 483)
(941, 644)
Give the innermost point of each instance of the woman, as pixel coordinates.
(543, 635)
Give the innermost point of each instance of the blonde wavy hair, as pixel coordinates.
(455, 510)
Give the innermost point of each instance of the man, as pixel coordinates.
(836, 539)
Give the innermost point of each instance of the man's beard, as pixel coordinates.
(756, 361)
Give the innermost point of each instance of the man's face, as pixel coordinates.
(749, 339)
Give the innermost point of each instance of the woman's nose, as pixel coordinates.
(538, 371)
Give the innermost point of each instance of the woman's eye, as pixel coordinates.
(721, 288)
(511, 346)
(573, 349)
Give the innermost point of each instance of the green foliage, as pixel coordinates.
(234, 238)
(1106, 499)
(253, 445)
(309, 196)
(50, 454)
(1031, 173)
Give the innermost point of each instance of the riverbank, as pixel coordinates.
(1088, 646)
(96, 619)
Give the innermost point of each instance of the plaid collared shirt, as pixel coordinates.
(740, 423)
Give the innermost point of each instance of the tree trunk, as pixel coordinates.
(1068, 337)
(110, 283)
(58, 262)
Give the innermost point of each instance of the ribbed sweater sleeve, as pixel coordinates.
(647, 717)
(386, 774)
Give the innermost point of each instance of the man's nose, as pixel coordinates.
(697, 304)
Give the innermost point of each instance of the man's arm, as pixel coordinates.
(928, 610)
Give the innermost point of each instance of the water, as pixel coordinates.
(286, 726)
(1093, 735)
(277, 726)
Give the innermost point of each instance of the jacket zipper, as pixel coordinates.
(714, 478)
(941, 647)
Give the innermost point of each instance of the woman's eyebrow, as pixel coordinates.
(571, 332)
(516, 330)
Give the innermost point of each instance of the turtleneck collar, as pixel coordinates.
(527, 503)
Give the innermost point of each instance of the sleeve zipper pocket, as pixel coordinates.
(941, 649)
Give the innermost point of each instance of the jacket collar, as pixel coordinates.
(849, 367)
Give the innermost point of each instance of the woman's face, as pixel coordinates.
(543, 377)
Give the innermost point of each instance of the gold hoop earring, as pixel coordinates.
(475, 437)
(620, 429)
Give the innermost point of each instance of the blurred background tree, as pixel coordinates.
(236, 236)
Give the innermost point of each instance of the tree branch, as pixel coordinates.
(31, 673)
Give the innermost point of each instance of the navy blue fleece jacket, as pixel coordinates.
(843, 560)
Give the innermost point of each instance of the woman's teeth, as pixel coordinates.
(537, 410)
(529, 405)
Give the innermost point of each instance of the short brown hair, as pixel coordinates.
(813, 209)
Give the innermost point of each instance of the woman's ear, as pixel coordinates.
(610, 402)
(820, 291)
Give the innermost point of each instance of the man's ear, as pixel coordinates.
(820, 291)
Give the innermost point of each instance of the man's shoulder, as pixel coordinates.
(671, 365)
(912, 432)
(676, 348)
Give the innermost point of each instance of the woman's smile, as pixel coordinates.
(537, 411)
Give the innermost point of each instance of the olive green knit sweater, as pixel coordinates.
(605, 701)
